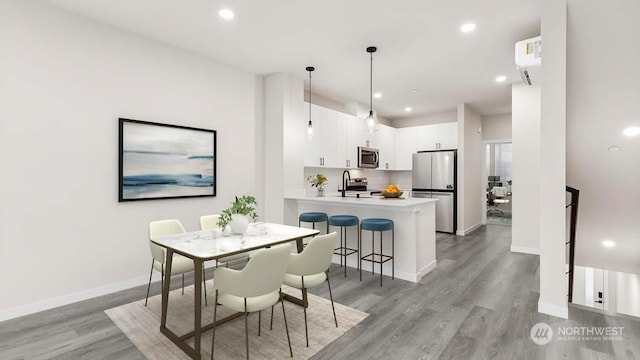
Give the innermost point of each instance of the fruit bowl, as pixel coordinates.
(388, 194)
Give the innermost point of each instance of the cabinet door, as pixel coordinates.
(353, 137)
(427, 137)
(328, 138)
(405, 147)
(448, 135)
(312, 156)
(387, 146)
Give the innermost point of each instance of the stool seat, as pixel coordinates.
(376, 224)
(343, 220)
(313, 217)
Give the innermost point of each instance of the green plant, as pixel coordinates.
(244, 205)
(317, 180)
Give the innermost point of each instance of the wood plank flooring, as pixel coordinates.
(479, 303)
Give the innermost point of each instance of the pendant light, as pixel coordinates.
(371, 122)
(310, 125)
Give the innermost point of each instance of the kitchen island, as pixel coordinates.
(414, 221)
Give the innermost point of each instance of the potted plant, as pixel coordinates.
(318, 181)
(237, 215)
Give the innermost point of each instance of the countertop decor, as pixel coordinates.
(237, 215)
(318, 181)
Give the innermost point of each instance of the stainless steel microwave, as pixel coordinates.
(368, 157)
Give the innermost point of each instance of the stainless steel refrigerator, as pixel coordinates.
(435, 176)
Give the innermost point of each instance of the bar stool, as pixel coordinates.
(380, 225)
(344, 221)
(314, 217)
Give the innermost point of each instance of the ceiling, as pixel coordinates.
(420, 45)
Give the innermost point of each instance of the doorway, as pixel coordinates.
(498, 183)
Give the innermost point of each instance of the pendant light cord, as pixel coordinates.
(371, 84)
(309, 96)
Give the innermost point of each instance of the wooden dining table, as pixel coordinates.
(201, 246)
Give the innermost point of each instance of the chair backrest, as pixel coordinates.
(209, 222)
(316, 256)
(264, 273)
(162, 228)
(499, 191)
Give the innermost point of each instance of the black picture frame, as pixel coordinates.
(165, 161)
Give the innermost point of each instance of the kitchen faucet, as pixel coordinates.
(345, 181)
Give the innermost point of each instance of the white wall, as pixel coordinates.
(65, 81)
(525, 102)
(553, 280)
(496, 127)
(471, 193)
(603, 99)
(428, 119)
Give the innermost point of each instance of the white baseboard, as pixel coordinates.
(561, 311)
(386, 270)
(71, 298)
(469, 230)
(427, 269)
(525, 250)
(23, 310)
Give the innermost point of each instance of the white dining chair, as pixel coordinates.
(254, 288)
(310, 268)
(179, 265)
(210, 222)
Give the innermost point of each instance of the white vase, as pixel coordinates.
(239, 223)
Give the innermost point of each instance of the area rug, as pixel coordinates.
(142, 326)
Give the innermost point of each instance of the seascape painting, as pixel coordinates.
(161, 161)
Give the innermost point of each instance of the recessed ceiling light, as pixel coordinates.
(608, 243)
(632, 131)
(226, 14)
(469, 27)
(414, 90)
(501, 78)
(377, 95)
(613, 148)
(408, 109)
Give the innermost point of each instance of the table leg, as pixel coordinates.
(197, 321)
(165, 288)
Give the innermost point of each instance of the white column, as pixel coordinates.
(283, 147)
(553, 280)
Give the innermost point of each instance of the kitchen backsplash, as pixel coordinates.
(377, 179)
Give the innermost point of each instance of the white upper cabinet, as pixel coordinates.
(336, 137)
(346, 141)
(405, 147)
(437, 137)
(387, 146)
(317, 152)
(448, 135)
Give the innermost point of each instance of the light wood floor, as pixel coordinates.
(479, 303)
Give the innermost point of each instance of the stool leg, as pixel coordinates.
(344, 251)
(341, 244)
(327, 226)
(393, 255)
(381, 252)
(373, 252)
(359, 255)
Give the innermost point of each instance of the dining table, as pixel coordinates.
(205, 245)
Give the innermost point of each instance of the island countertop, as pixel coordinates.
(374, 201)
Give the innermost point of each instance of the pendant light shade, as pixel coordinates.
(310, 124)
(371, 122)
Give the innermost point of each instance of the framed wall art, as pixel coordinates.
(162, 161)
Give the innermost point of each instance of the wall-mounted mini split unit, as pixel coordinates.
(528, 59)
